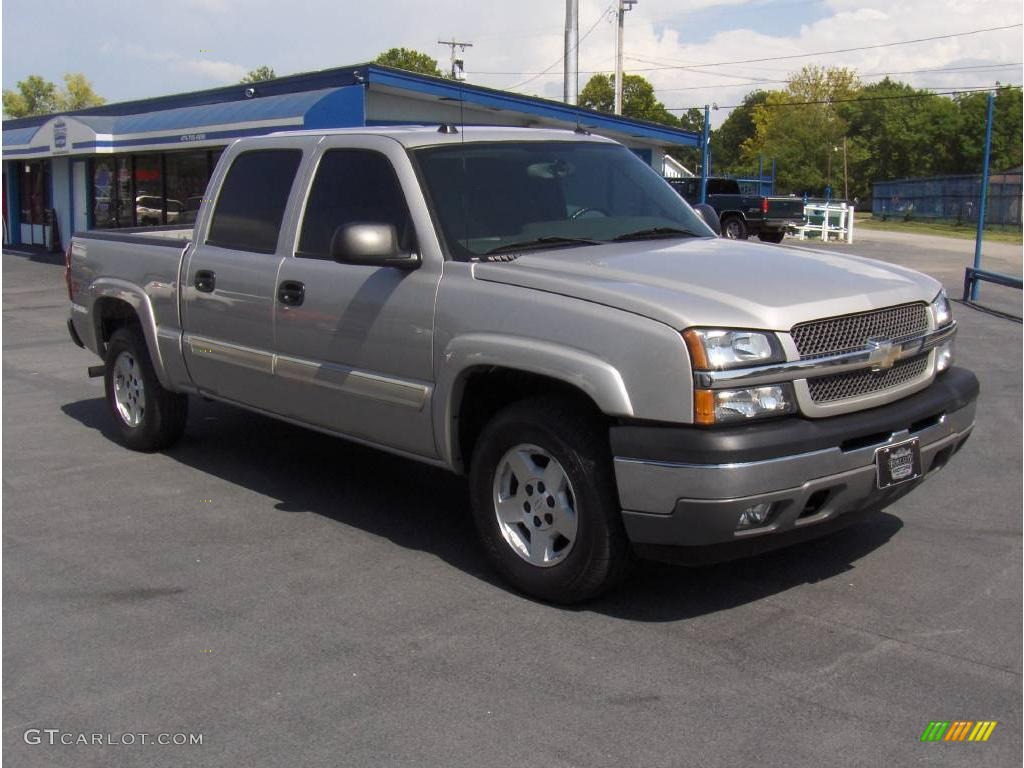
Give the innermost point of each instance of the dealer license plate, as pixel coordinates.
(898, 463)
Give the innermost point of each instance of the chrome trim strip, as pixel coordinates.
(869, 357)
(336, 377)
(351, 382)
(244, 357)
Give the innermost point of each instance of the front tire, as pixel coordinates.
(544, 501)
(147, 416)
(734, 228)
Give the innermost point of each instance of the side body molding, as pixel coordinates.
(113, 288)
(588, 373)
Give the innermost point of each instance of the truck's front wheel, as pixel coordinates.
(545, 504)
(148, 417)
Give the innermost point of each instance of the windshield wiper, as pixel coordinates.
(541, 242)
(655, 233)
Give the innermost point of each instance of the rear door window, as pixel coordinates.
(252, 200)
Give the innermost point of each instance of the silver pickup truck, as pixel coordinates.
(538, 310)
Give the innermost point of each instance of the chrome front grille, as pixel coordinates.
(835, 335)
(841, 386)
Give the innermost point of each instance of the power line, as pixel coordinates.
(976, 68)
(778, 58)
(955, 91)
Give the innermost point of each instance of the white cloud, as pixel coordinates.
(223, 71)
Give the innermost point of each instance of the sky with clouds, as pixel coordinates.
(135, 50)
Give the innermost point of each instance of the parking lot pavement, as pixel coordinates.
(300, 601)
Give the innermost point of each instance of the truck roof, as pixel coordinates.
(428, 135)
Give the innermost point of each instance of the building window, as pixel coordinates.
(151, 189)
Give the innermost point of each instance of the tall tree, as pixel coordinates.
(727, 140)
(638, 99)
(259, 74)
(1006, 130)
(410, 61)
(78, 93)
(35, 96)
(801, 127)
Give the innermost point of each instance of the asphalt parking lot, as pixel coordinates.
(300, 601)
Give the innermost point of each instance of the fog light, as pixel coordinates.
(754, 516)
(944, 357)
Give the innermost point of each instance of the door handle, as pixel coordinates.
(291, 293)
(206, 280)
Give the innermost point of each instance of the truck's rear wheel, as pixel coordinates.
(545, 504)
(148, 417)
(772, 237)
(734, 228)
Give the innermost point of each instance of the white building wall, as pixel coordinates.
(61, 195)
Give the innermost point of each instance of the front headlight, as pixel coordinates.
(717, 349)
(719, 406)
(721, 349)
(941, 311)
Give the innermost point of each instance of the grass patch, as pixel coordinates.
(943, 228)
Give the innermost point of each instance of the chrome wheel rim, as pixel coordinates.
(535, 505)
(129, 391)
(732, 230)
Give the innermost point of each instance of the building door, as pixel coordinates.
(79, 196)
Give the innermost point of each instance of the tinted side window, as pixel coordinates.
(352, 186)
(252, 200)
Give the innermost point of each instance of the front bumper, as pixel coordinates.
(683, 489)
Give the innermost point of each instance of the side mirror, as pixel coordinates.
(710, 216)
(374, 245)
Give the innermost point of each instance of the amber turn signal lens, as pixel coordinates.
(696, 347)
(703, 406)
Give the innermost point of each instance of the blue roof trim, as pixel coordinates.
(234, 133)
(530, 105)
(20, 135)
(32, 151)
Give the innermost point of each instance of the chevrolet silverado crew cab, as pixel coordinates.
(540, 311)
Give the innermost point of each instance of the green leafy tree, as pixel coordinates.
(78, 93)
(35, 96)
(638, 99)
(259, 74)
(801, 127)
(1006, 130)
(410, 61)
(727, 140)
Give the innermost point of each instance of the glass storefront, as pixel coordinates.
(149, 189)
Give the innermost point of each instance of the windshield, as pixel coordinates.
(492, 200)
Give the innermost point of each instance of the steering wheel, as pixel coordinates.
(582, 211)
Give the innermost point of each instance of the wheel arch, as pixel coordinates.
(117, 304)
(484, 373)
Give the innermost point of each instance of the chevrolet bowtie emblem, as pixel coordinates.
(882, 354)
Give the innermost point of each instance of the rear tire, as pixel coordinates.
(772, 237)
(147, 416)
(734, 228)
(544, 501)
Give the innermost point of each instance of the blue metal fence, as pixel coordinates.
(953, 198)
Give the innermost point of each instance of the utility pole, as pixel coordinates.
(705, 153)
(571, 61)
(624, 5)
(846, 176)
(458, 65)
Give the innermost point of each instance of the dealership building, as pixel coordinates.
(147, 162)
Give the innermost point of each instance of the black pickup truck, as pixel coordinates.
(744, 215)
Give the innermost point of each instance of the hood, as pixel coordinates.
(715, 282)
